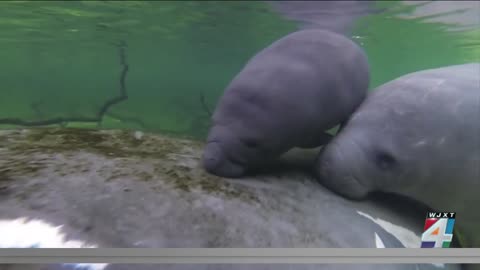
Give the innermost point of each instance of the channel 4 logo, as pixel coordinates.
(438, 230)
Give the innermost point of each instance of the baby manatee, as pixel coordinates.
(288, 95)
(417, 136)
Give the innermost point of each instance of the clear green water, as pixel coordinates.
(60, 59)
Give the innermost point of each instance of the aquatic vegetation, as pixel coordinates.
(168, 154)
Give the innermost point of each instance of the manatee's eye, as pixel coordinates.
(385, 161)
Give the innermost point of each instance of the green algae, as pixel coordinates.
(187, 179)
(175, 161)
(15, 166)
(117, 144)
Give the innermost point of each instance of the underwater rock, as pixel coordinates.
(418, 136)
(111, 189)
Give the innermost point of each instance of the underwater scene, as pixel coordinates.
(240, 124)
(63, 62)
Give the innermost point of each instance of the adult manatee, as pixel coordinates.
(286, 96)
(419, 136)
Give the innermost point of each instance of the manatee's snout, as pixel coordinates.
(215, 161)
(337, 168)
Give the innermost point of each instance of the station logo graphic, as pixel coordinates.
(438, 230)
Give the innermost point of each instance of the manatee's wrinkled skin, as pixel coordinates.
(286, 96)
(418, 136)
(122, 194)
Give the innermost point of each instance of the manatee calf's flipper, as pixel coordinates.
(316, 141)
